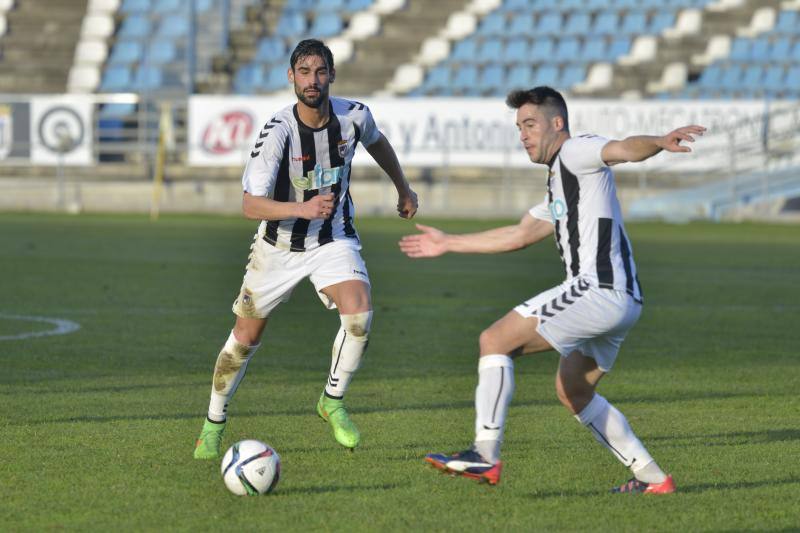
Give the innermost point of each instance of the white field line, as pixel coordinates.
(62, 327)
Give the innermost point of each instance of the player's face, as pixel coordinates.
(312, 78)
(536, 132)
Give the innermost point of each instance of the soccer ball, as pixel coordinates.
(250, 468)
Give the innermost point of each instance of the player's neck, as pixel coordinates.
(314, 117)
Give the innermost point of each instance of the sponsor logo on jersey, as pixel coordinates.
(318, 178)
(558, 209)
(342, 146)
(301, 158)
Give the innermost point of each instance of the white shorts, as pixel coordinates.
(272, 274)
(578, 316)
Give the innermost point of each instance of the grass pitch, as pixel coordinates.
(99, 424)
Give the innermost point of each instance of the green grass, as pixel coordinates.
(98, 425)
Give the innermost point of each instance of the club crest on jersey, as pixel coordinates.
(318, 178)
(342, 146)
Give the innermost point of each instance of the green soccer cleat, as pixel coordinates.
(334, 412)
(207, 446)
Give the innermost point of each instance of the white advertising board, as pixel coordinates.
(61, 130)
(471, 132)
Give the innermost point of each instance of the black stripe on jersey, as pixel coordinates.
(309, 153)
(556, 223)
(281, 194)
(572, 194)
(626, 260)
(605, 272)
(349, 230)
(334, 137)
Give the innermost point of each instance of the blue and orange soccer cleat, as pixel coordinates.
(634, 486)
(468, 463)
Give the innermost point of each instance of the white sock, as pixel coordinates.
(492, 397)
(228, 373)
(611, 429)
(348, 348)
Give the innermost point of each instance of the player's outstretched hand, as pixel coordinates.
(430, 243)
(320, 206)
(407, 204)
(671, 142)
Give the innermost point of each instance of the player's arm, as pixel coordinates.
(383, 154)
(433, 242)
(641, 147)
(263, 208)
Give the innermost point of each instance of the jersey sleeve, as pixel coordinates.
(261, 169)
(541, 211)
(583, 154)
(369, 130)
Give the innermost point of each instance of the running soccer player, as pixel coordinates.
(297, 182)
(585, 318)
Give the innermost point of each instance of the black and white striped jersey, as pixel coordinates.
(291, 162)
(582, 203)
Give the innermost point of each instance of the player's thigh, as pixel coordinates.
(339, 274)
(350, 297)
(270, 277)
(514, 335)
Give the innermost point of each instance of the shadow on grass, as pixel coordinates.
(682, 489)
(732, 438)
(304, 491)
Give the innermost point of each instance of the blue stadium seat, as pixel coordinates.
(516, 51)
(795, 53)
(522, 25)
(116, 110)
(731, 76)
(330, 6)
(327, 24)
(173, 26)
(162, 51)
(247, 78)
(619, 47)
(134, 27)
(780, 50)
(490, 50)
(437, 79)
(710, 77)
(357, 5)
(520, 77)
(291, 24)
(606, 23)
(270, 49)
(276, 78)
(148, 78)
(546, 75)
(465, 80)
(594, 49)
(577, 23)
(570, 5)
(567, 50)
(549, 24)
(740, 49)
(464, 50)
(753, 78)
(161, 7)
(125, 53)
(661, 21)
(492, 79)
(760, 50)
(598, 5)
(116, 79)
(521, 6)
(634, 23)
(571, 75)
(494, 24)
(788, 23)
(135, 6)
(773, 80)
(542, 49)
(791, 83)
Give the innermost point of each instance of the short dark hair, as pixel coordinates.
(545, 97)
(311, 47)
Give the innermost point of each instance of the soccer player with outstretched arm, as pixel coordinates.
(585, 318)
(297, 183)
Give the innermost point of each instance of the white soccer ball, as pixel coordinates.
(250, 468)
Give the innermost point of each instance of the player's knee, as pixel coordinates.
(488, 342)
(357, 324)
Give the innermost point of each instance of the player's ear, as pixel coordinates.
(290, 74)
(558, 123)
(332, 77)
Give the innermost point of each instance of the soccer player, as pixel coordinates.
(297, 182)
(586, 317)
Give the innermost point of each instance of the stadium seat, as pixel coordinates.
(270, 49)
(577, 23)
(710, 77)
(731, 76)
(773, 80)
(634, 23)
(516, 51)
(162, 7)
(330, 6)
(567, 50)
(493, 25)
(135, 6)
(606, 23)
(546, 75)
(520, 6)
(247, 78)
(291, 24)
(327, 24)
(116, 79)
(760, 50)
(276, 78)
(520, 76)
(464, 50)
(522, 25)
(491, 80)
(752, 78)
(549, 24)
(437, 79)
(740, 49)
(542, 49)
(794, 56)
(134, 27)
(148, 78)
(594, 49)
(126, 53)
(572, 74)
(490, 51)
(465, 80)
(619, 47)
(162, 51)
(173, 26)
(780, 50)
(661, 21)
(357, 5)
(788, 23)
(791, 83)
